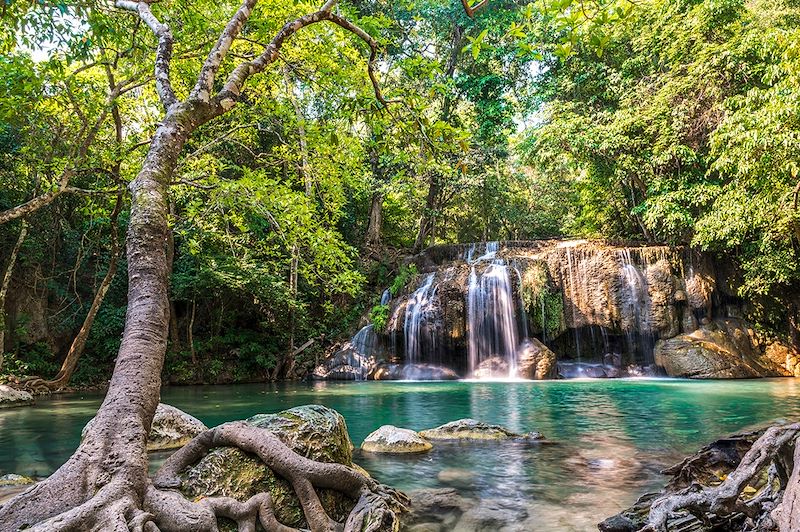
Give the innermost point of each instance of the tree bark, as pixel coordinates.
(427, 220)
(104, 485)
(12, 261)
(373, 240)
(107, 475)
(373, 237)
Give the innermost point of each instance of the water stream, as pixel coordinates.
(611, 437)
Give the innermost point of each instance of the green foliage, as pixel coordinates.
(379, 316)
(543, 303)
(685, 131)
(404, 275)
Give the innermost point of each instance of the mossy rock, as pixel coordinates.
(470, 429)
(15, 480)
(394, 440)
(313, 431)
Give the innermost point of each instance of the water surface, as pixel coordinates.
(611, 437)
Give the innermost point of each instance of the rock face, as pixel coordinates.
(10, 397)
(313, 431)
(536, 361)
(470, 429)
(574, 300)
(723, 349)
(394, 440)
(172, 428)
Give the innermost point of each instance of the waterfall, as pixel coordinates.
(492, 326)
(386, 297)
(636, 307)
(523, 314)
(419, 304)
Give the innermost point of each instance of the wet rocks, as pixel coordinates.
(313, 431)
(536, 361)
(345, 365)
(394, 440)
(706, 468)
(470, 429)
(723, 349)
(492, 367)
(10, 397)
(172, 428)
(415, 372)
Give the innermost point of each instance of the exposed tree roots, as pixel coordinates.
(774, 452)
(118, 506)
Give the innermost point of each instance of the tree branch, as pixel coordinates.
(163, 51)
(471, 10)
(373, 53)
(205, 80)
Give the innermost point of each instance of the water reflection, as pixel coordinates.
(610, 437)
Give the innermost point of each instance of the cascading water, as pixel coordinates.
(420, 304)
(386, 297)
(491, 323)
(635, 307)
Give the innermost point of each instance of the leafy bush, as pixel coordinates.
(405, 274)
(379, 316)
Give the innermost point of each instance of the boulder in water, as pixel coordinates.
(493, 367)
(15, 480)
(172, 428)
(536, 361)
(394, 440)
(470, 429)
(345, 365)
(413, 372)
(723, 349)
(10, 397)
(313, 431)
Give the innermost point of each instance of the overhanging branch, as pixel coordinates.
(163, 51)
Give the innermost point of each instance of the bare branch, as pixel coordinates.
(232, 89)
(471, 10)
(227, 97)
(163, 51)
(205, 81)
(373, 54)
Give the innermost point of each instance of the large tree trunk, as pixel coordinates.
(427, 220)
(12, 262)
(105, 485)
(373, 237)
(373, 240)
(107, 476)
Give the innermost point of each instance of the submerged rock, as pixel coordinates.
(15, 480)
(313, 431)
(172, 428)
(470, 429)
(413, 372)
(435, 509)
(10, 397)
(722, 349)
(708, 467)
(391, 439)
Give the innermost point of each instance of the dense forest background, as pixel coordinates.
(657, 121)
